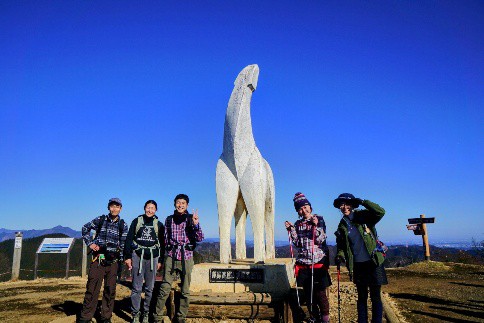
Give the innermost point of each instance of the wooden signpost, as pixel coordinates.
(419, 227)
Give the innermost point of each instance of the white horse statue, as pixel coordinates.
(244, 181)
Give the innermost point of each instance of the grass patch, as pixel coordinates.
(428, 267)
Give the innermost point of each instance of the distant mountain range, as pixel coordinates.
(6, 234)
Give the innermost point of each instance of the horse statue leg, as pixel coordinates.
(227, 189)
(269, 213)
(240, 225)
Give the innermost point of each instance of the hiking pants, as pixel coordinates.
(98, 273)
(148, 276)
(368, 276)
(318, 305)
(376, 303)
(169, 276)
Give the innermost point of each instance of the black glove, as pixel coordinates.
(338, 260)
(358, 202)
(289, 228)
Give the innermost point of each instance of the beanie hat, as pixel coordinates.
(300, 200)
(345, 198)
(115, 200)
(182, 197)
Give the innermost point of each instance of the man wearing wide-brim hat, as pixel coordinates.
(358, 245)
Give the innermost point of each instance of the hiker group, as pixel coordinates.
(146, 247)
(149, 245)
(357, 245)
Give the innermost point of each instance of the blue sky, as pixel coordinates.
(383, 99)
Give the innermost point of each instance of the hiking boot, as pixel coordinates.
(162, 319)
(135, 318)
(145, 318)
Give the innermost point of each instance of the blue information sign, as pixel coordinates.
(55, 245)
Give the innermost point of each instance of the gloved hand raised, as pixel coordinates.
(358, 202)
(288, 225)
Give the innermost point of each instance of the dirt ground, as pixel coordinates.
(424, 292)
(438, 292)
(58, 300)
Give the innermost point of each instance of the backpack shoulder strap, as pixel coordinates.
(169, 219)
(155, 225)
(120, 231)
(189, 221)
(189, 230)
(346, 221)
(120, 227)
(99, 226)
(139, 224)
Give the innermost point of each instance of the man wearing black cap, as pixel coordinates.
(107, 250)
(356, 240)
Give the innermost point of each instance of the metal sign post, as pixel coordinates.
(54, 245)
(419, 227)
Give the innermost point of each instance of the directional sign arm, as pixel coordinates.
(421, 220)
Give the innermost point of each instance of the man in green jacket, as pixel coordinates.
(357, 245)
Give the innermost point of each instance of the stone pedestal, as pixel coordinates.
(275, 277)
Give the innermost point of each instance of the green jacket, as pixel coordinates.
(369, 218)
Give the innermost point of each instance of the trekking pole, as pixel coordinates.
(295, 276)
(338, 265)
(312, 273)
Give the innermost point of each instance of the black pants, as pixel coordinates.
(98, 273)
(368, 276)
(318, 304)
